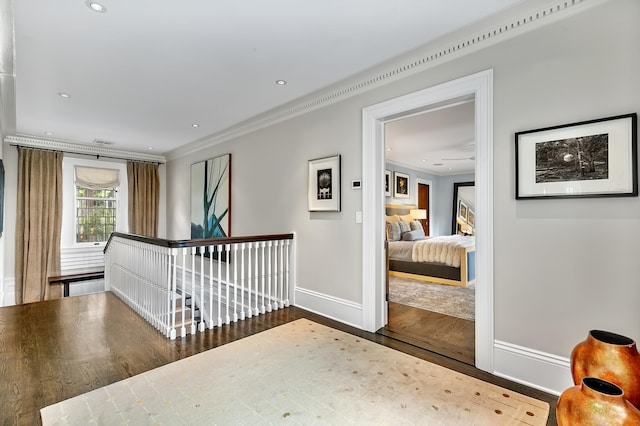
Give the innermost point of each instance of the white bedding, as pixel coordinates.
(441, 249)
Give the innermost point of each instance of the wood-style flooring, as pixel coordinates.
(54, 350)
(449, 336)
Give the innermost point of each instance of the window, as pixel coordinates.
(95, 203)
(95, 214)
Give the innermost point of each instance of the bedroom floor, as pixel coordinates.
(443, 334)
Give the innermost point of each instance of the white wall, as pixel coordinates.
(562, 267)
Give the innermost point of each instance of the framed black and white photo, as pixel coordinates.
(596, 158)
(400, 185)
(462, 211)
(387, 183)
(324, 184)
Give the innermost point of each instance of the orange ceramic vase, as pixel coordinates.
(610, 357)
(595, 402)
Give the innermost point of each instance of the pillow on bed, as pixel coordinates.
(392, 219)
(406, 218)
(417, 234)
(393, 231)
(404, 227)
(416, 225)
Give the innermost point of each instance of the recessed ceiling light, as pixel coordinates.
(149, 148)
(195, 125)
(281, 82)
(96, 7)
(64, 95)
(48, 133)
(388, 149)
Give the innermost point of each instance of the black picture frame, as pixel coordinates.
(587, 159)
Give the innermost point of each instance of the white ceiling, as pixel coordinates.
(142, 73)
(440, 141)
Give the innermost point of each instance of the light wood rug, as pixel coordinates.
(299, 373)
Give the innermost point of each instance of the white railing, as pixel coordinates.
(183, 286)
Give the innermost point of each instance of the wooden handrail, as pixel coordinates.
(197, 242)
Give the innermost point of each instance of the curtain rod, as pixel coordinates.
(98, 156)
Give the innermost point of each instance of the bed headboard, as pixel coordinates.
(399, 209)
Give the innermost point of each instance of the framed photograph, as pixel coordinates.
(387, 183)
(596, 158)
(471, 217)
(324, 184)
(211, 198)
(400, 185)
(462, 211)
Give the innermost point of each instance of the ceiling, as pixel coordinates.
(439, 141)
(143, 74)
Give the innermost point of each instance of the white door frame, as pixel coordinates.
(374, 306)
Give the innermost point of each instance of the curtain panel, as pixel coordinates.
(144, 198)
(38, 224)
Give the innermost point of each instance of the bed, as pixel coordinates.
(443, 259)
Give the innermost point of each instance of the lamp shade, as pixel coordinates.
(418, 214)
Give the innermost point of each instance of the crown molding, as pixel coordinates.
(498, 28)
(74, 148)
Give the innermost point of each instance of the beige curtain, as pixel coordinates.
(38, 224)
(144, 198)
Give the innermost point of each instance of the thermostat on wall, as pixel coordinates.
(356, 184)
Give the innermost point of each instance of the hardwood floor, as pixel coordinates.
(54, 350)
(443, 334)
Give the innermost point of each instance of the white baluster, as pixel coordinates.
(242, 246)
(256, 293)
(249, 280)
(219, 248)
(287, 272)
(235, 283)
(211, 248)
(262, 308)
(269, 294)
(227, 248)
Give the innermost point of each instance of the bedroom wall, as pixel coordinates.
(562, 267)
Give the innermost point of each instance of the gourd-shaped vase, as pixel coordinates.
(595, 402)
(610, 357)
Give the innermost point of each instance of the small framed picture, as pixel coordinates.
(471, 217)
(400, 185)
(462, 211)
(596, 158)
(387, 183)
(324, 184)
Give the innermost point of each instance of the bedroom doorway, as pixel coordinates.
(423, 309)
(374, 306)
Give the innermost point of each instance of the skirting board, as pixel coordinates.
(546, 372)
(341, 310)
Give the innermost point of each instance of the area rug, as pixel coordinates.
(445, 299)
(299, 373)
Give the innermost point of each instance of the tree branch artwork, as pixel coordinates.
(210, 198)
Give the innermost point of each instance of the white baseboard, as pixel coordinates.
(8, 294)
(540, 370)
(341, 310)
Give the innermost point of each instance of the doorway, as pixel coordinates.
(374, 305)
(435, 149)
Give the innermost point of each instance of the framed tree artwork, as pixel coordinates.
(596, 158)
(211, 198)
